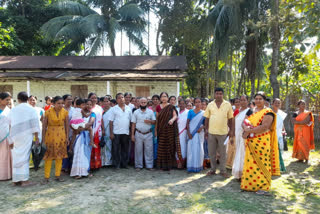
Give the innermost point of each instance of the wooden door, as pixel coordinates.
(79, 91)
(142, 91)
(6, 88)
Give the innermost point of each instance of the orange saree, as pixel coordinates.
(303, 137)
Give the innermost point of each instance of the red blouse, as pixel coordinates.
(236, 112)
(158, 108)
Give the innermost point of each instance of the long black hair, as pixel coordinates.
(4, 95)
(91, 94)
(56, 99)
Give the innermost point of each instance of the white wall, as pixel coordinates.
(53, 88)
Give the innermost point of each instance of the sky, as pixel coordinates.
(134, 49)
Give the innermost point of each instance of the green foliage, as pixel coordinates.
(81, 25)
(26, 17)
(301, 20)
(9, 42)
(292, 61)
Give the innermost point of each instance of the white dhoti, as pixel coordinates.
(20, 158)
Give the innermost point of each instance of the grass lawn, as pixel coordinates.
(128, 191)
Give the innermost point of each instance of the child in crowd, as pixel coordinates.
(48, 103)
(77, 121)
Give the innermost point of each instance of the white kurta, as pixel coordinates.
(280, 118)
(24, 122)
(182, 125)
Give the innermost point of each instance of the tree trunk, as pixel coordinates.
(121, 43)
(149, 31)
(230, 80)
(160, 51)
(113, 50)
(258, 84)
(240, 82)
(216, 70)
(23, 11)
(208, 69)
(275, 39)
(251, 62)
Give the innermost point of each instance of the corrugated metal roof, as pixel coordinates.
(98, 63)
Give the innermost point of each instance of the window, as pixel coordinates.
(142, 91)
(6, 88)
(79, 91)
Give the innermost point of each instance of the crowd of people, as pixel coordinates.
(158, 132)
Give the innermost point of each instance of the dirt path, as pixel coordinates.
(128, 191)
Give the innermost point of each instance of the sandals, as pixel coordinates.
(211, 173)
(28, 184)
(59, 179)
(16, 184)
(225, 175)
(262, 192)
(44, 181)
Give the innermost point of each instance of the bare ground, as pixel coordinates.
(128, 191)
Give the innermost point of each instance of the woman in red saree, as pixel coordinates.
(98, 129)
(303, 133)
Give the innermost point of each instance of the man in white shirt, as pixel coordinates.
(142, 120)
(119, 132)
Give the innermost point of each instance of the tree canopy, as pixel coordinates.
(241, 45)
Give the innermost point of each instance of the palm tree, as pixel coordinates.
(82, 26)
(234, 25)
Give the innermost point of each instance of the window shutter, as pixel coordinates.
(79, 91)
(142, 91)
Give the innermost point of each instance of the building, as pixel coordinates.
(78, 75)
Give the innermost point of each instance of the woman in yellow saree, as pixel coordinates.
(262, 153)
(303, 133)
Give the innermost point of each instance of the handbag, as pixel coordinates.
(285, 144)
(38, 152)
(102, 142)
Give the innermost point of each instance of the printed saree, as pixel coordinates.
(95, 162)
(262, 156)
(168, 140)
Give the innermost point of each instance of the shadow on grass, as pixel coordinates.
(297, 167)
(158, 192)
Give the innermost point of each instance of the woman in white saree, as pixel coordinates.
(240, 143)
(81, 147)
(195, 125)
(182, 125)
